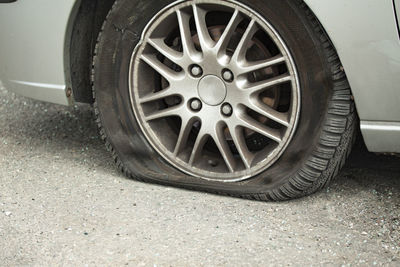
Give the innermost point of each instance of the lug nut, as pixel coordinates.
(196, 71)
(227, 75)
(195, 105)
(226, 109)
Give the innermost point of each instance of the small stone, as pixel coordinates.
(7, 213)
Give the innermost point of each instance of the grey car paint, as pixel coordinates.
(32, 48)
(366, 37)
(397, 10)
(364, 33)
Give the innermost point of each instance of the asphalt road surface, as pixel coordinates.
(62, 202)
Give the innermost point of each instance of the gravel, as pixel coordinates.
(62, 202)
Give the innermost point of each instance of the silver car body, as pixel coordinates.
(34, 52)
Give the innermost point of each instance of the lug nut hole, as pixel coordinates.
(195, 104)
(227, 75)
(226, 110)
(196, 71)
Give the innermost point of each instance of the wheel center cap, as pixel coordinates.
(211, 90)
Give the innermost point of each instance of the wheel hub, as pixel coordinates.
(211, 90)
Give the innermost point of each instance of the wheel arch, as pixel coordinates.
(84, 25)
(367, 43)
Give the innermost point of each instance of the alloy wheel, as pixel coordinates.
(214, 89)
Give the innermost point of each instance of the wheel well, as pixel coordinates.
(85, 27)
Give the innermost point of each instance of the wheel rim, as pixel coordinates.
(214, 89)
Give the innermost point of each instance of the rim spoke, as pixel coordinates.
(186, 35)
(258, 127)
(165, 50)
(201, 26)
(270, 113)
(198, 146)
(240, 144)
(228, 32)
(184, 132)
(162, 69)
(223, 147)
(245, 41)
(260, 86)
(159, 95)
(164, 113)
(262, 64)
